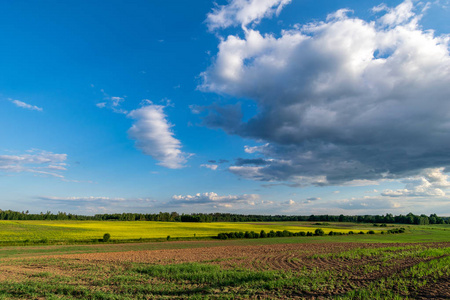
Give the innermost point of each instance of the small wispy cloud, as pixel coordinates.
(35, 161)
(22, 104)
(96, 204)
(210, 166)
(112, 102)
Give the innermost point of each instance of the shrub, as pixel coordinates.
(222, 236)
(371, 232)
(168, 237)
(263, 234)
(106, 237)
(231, 235)
(286, 233)
(396, 230)
(309, 233)
(302, 233)
(319, 232)
(351, 232)
(361, 232)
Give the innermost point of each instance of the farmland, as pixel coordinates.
(413, 265)
(84, 231)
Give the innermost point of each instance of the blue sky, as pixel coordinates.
(242, 106)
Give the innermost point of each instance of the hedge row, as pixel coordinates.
(286, 233)
(396, 230)
(263, 234)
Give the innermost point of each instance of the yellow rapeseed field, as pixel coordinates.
(11, 231)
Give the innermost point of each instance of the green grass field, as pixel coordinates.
(73, 231)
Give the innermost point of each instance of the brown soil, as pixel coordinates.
(262, 257)
(438, 290)
(287, 257)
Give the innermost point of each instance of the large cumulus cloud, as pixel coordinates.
(340, 100)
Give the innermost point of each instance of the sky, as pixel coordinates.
(293, 107)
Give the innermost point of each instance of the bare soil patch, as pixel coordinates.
(261, 257)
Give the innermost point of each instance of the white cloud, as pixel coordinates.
(243, 12)
(213, 199)
(26, 105)
(60, 166)
(313, 199)
(115, 101)
(35, 161)
(210, 166)
(290, 202)
(96, 204)
(346, 100)
(341, 14)
(367, 203)
(430, 183)
(95, 199)
(153, 135)
(402, 14)
(112, 102)
(249, 172)
(194, 109)
(255, 149)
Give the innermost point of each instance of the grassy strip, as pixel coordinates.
(387, 253)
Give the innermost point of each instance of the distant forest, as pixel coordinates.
(225, 217)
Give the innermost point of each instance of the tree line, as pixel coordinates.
(227, 217)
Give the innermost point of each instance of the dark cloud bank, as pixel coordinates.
(339, 101)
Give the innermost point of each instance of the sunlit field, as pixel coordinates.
(52, 231)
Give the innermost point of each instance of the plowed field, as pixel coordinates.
(280, 271)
